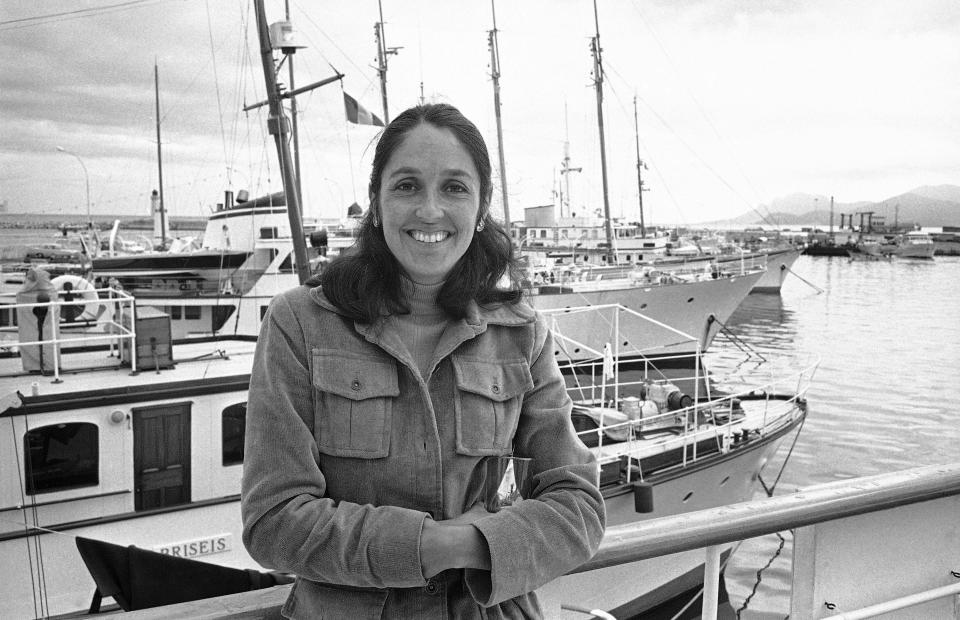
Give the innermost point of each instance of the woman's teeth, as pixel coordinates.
(425, 237)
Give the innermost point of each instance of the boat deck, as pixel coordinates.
(100, 369)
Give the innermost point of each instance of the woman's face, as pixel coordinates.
(429, 201)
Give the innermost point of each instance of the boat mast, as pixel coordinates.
(279, 126)
(382, 52)
(598, 82)
(293, 118)
(495, 74)
(566, 169)
(163, 212)
(640, 166)
(831, 218)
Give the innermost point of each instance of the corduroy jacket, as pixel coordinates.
(348, 450)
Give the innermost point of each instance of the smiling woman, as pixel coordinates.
(429, 216)
(379, 398)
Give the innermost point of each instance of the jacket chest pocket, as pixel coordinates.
(487, 404)
(354, 404)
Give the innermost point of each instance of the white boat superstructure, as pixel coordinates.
(915, 244)
(141, 444)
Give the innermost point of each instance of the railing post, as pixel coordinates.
(711, 583)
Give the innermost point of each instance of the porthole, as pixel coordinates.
(687, 497)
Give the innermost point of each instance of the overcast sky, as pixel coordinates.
(738, 102)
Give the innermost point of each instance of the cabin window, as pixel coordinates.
(191, 312)
(234, 426)
(61, 457)
(269, 232)
(175, 313)
(8, 317)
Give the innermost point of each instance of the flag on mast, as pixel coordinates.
(358, 114)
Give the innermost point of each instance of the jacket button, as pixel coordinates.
(355, 386)
(496, 389)
(432, 586)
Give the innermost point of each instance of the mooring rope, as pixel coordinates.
(737, 341)
(807, 282)
(769, 491)
(756, 584)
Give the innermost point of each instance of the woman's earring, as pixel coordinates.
(480, 226)
(375, 220)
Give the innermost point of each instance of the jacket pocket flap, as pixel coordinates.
(354, 377)
(499, 381)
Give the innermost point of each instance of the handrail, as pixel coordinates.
(695, 530)
(667, 535)
(114, 304)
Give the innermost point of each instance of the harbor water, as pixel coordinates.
(884, 398)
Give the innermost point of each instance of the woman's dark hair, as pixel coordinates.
(364, 282)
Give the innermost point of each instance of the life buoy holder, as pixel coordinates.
(86, 306)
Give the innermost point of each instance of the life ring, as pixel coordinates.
(74, 288)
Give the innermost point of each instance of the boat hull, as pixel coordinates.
(779, 263)
(691, 309)
(629, 589)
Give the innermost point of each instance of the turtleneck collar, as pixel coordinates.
(421, 298)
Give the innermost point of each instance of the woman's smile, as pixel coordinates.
(428, 237)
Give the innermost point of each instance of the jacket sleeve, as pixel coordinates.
(288, 523)
(560, 526)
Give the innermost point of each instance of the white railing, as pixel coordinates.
(712, 529)
(709, 530)
(108, 326)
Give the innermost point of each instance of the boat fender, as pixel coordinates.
(74, 288)
(643, 497)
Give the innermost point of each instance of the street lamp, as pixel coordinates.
(86, 178)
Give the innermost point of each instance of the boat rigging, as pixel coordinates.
(279, 125)
(382, 53)
(161, 205)
(640, 166)
(598, 83)
(495, 74)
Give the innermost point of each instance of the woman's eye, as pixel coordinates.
(405, 186)
(456, 188)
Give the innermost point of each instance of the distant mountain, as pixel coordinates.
(949, 193)
(937, 205)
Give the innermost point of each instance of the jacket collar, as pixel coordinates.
(458, 332)
(477, 319)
